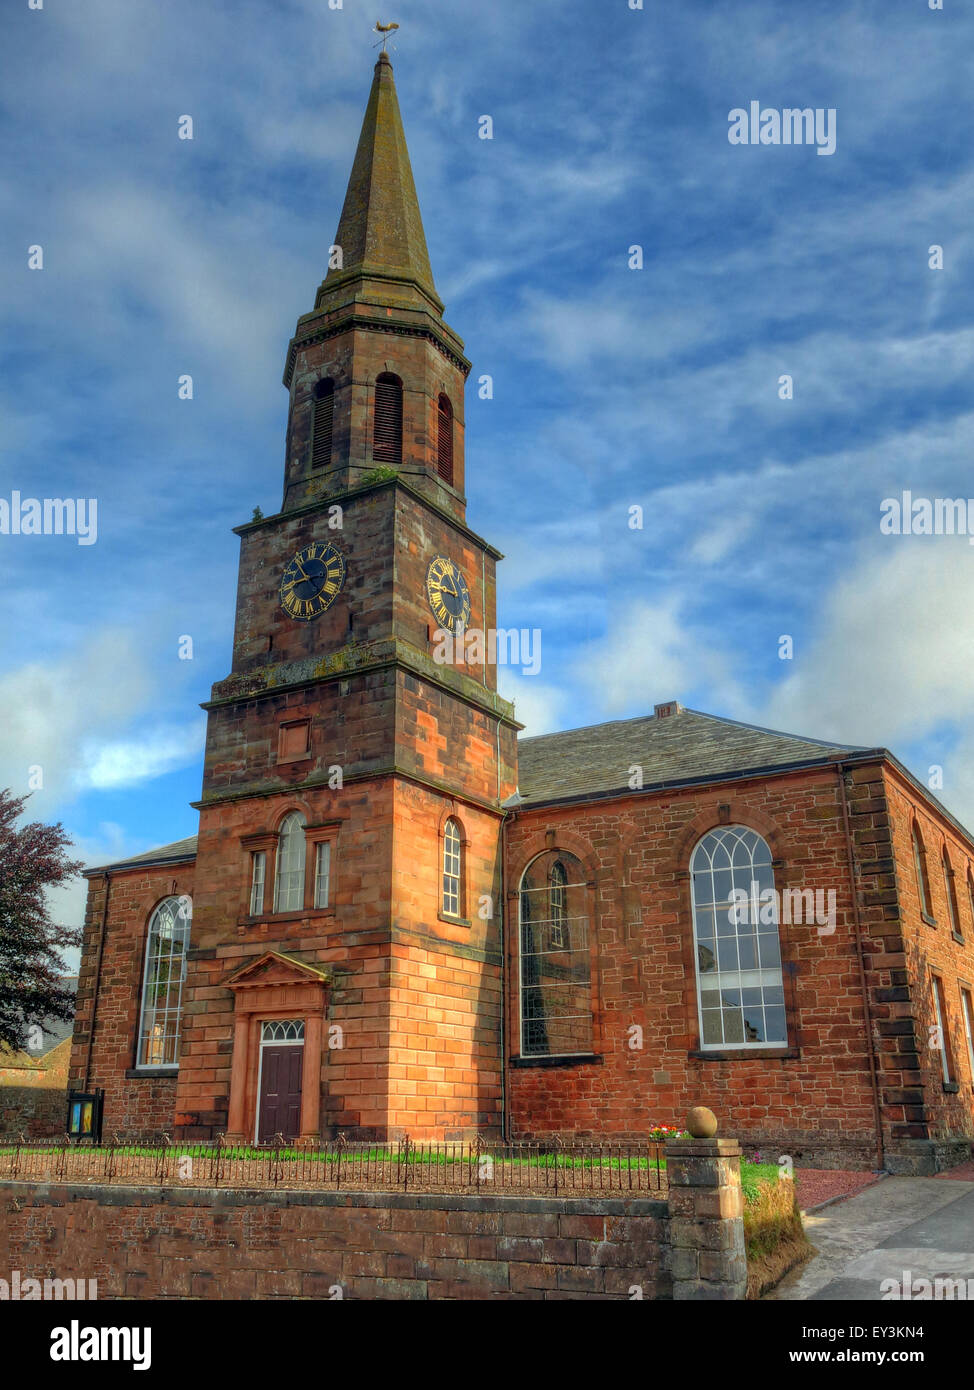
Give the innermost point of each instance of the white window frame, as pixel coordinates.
(451, 899)
(556, 904)
(937, 990)
(322, 893)
(732, 857)
(290, 864)
(180, 919)
(967, 1013)
(258, 882)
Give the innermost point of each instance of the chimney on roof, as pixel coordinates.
(664, 711)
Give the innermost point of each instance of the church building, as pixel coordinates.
(401, 918)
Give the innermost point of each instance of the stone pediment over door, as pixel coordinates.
(275, 982)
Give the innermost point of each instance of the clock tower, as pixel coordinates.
(345, 964)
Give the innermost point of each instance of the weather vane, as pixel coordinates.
(385, 30)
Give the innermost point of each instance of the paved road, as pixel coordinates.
(902, 1228)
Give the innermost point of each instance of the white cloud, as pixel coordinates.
(64, 718)
(893, 658)
(649, 655)
(127, 762)
(540, 708)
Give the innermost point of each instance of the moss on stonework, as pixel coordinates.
(382, 474)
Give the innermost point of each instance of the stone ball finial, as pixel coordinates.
(702, 1123)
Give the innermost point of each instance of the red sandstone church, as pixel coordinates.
(398, 918)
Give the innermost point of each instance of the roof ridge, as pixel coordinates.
(581, 728)
(780, 733)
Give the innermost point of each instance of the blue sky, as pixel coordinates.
(613, 387)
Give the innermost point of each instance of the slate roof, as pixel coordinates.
(165, 854)
(687, 746)
(678, 749)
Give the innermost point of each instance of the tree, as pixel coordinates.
(33, 859)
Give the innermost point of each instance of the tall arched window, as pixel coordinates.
(289, 875)
(740, 990)
(452, 870)
(162, 985)
(555, 959)
(920, 865)
(444, 440)
(951, 893)
(321, 424)
(387, 430)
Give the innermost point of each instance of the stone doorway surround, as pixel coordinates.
(275, 986)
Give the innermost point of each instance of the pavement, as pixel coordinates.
(902, 1229)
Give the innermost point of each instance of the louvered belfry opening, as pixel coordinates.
(444, 443)
(387, 438)
(322, 424)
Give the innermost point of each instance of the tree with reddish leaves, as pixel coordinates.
(33, 858)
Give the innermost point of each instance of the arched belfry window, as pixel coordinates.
(289, 875)
(162, 986)
(444, 440)
(452, 900)
(321, 423)
(740, 990)
(554, 958)
(387, 429)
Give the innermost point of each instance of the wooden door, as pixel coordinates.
(280, 1092)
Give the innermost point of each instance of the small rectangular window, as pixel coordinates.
(943, 1037)
(322, 873)
(294, 741)
(258, 875)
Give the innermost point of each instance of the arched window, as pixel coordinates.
(920, 865)
(555, 960)
(740, 990)
(289, 875)
(452, 870)
(444, 440)
(387, 430)
(951, 893)
(162, 986)
(321, 424)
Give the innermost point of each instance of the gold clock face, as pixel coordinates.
(448, 593)
(312, 581)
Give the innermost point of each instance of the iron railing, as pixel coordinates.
(532, 1167)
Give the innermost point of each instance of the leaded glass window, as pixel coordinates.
(452, 869)
(555, 958)
(162, 987)
(740, 990)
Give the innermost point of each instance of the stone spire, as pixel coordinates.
(376, 375)
(380, 231)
